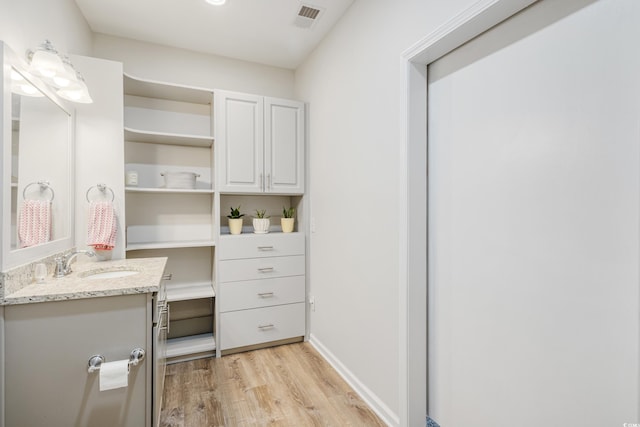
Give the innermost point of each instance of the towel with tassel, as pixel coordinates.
(101, 226)
(34, 224)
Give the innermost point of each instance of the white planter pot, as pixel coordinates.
(261, 225)
(287, 224)
(235, 225)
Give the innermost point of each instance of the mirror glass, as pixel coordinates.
(41, 144)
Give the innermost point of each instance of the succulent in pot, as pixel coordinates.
(235, 220)
(288, 219)
(261, 222)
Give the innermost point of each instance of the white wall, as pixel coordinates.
(352, 83)
(24, 24)
(534, 141)
(100, 147)
(167, 64)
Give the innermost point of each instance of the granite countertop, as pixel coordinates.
(77, 285)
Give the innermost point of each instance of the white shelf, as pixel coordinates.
(138, 135)
(188, 291)
(173, 92)
(169, 245)
(168, 236)
(167, 190)
(177, 347)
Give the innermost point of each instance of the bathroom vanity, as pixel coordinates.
(52, 330)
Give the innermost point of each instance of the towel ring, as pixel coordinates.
(103, 189)
(44, 185)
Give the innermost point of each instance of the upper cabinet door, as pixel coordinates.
(240, 136)
(284, 146)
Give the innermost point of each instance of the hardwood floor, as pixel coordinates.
(289, 385)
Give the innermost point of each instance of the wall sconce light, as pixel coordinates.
(21, 86)
(76, 91)
(59, 73)
(45, 61)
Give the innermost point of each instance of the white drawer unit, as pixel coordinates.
(261, 289)
(261, 246)
(260, 293)
(249, 327)
(261, 268)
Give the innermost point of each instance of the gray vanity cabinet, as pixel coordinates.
(47, 348)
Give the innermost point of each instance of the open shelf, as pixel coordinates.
(193, 344)
(167, 190)
(173, 92)
(189, 291)
(168, 236)
(138, 135)
(169, 245)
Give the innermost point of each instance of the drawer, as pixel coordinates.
(260, 245)
(260, 293)
(260, 268)
(260, 325)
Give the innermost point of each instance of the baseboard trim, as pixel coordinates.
(370, 398)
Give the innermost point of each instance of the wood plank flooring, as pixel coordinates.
(289, 385)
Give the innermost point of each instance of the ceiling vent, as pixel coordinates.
(307, 16)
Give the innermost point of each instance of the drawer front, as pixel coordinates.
(260, 293)
(260, 245)
(260, 268)
(260, 325)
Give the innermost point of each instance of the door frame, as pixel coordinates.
(413, 239)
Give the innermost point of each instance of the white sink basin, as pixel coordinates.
(110, 274)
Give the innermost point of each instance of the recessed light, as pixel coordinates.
(216, 2)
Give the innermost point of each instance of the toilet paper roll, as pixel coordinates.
(114, 375)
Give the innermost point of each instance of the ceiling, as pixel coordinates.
(262, 31)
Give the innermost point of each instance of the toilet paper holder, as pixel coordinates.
(95, 361)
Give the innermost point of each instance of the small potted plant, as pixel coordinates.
(288, 219)
(235, 221)
(261, 222)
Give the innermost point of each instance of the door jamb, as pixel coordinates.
(413, 194)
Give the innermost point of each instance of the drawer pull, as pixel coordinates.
(265, 294)
(265, 327)
(265, 248)
(167, 276)
(265, 269)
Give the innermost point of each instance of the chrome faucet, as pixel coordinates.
(63, 264)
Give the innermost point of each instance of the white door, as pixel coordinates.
(534, 213)
(284, 146)
(240, 137)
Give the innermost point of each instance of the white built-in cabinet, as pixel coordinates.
(261, 144)
(170, 128)
(257, 159)
(261, 289)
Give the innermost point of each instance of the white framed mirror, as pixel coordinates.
(37, 166)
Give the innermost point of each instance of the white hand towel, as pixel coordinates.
(34, 224)
(101, 226)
